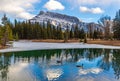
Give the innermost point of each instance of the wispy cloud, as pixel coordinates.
(18, 8)
(96, 10)
(102, 4)
(54, 5)
(86, 2)
(88, 19)
(95, 2)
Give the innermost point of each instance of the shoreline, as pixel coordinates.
(28, 45)
(100, 42)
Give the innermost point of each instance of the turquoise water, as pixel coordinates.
(61, 65)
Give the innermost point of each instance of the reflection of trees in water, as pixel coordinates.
(37, 55)
(105, 62)
(4, 64)
(68, 55)
(116, 63)
(104, 54)
(74, 55)
(47, 55)
(91, 54)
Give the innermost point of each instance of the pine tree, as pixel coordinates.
(82, 34)
(4, 20)
(90, 30)
(95, 35)
(54, 32)
(1, 34)
(48, 30)
(116, 26)
(10, 34)
(7, 31)
(71, 34)
(16, 37)
(76, 32)
(66, 34)
(44, 31)
(59, 33)
(85, 38)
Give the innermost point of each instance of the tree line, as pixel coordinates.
(6, 33)
(28, 30)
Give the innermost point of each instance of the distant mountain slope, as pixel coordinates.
(63, 20)
(51, 16)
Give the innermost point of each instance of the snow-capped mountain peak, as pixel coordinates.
(61, 19)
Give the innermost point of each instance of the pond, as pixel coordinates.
(61, 65)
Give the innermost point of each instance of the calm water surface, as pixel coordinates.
(61, 65)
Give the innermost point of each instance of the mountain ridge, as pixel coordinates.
(54, 16)
(63, 20)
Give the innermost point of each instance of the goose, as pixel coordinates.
(79, 66)
(59, 61)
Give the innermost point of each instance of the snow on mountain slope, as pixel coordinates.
(63, 20)
(51, 16)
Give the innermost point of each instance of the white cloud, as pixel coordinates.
(104, 4)
(54, 5)
(84, 9)
(18, 8)
(87, 19)
(86, 1)
(96, 10)
(94, 2)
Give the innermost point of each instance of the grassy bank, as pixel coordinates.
(55, 41)
(102, 42)
(105, 42)
(3, 47)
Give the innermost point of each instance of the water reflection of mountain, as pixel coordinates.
(47, 59)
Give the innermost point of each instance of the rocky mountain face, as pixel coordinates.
(63, 20)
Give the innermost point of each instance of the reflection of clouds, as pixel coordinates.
(91, 70)
(53, 74)
(18, 67)
(86, 78)
(110, 57)
(19, 72)
(102, 77)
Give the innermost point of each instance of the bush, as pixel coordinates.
(16, 38)
(85, 40)
(81, 40)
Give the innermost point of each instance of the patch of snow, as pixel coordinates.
(28, 45)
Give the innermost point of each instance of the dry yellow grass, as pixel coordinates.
(105, 42)
(55, 41)
(102, 42)
(2, 47)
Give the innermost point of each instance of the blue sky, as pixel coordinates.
(85, 10)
